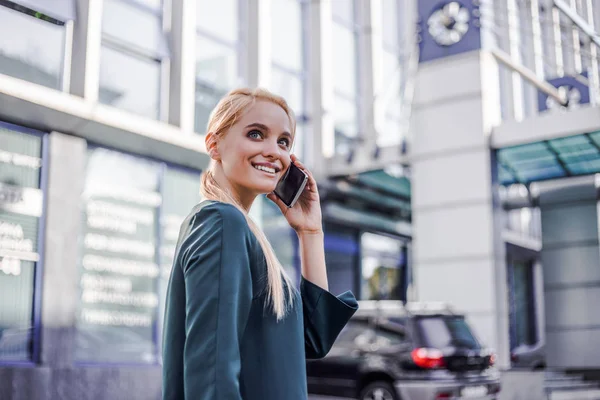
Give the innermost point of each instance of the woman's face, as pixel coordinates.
(255, 152)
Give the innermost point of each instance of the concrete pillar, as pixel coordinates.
(571, 263)
(459, 256)
(60, 287)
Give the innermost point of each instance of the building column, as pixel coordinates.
(459, 255)
(571, 264)
(60, 287)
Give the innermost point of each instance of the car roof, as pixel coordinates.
(393, 308)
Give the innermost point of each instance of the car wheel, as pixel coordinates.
(379, 390)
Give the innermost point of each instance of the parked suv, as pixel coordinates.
(389, 351)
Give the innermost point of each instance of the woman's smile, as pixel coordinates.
(268, 168)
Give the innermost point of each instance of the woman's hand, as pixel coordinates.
(305, 216)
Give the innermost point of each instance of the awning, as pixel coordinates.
(374, 201)
(550, 159)
(62, 10)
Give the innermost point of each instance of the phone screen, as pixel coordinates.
(291, 185)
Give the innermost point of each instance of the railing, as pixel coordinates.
(547, 52)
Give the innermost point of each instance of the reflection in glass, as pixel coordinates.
(344, 60)
(290, 87)
(19, 225)
(390, 15)
(118, 306)
(346, 123)
(216, 74)
(382, 267)
(129, 24)
(31, 49)
(343, 10)
(280, 235)
(129, 83)
(286, 35)
(220, 20)
(181, 191)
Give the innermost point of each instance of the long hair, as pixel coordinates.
(226, 113)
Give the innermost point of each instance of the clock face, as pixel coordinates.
(448, 24)
(572, 94)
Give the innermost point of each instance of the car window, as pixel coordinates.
(387, 336)
(353, 331)
(442, 332)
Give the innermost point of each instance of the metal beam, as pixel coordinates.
(529, 76)
(363, 160)
(579, 21)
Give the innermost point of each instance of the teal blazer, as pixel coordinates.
(220, 342)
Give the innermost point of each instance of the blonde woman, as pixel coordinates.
(236, 327)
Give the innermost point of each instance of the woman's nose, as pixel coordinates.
(271, 148)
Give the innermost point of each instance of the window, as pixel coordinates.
(32, 48)
(282, 238)
(521, 303)
(217, 55)
(21, 207)
(181, 192)
(345, 64)
(391, 128)
(442, 332)
(390, 335)
(383, 269)
(289, 77)
(133, 208)
(133, 50)
(356, 331)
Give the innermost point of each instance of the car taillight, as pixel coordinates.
(428, 358)
(492, 359)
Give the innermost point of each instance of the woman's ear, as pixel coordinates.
(210, 142)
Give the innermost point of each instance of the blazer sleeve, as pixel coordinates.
(325, 315)
(218, 286)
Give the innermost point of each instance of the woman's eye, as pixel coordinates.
(255, 134)
(284, 142)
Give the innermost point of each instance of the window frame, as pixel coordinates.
(157, 327)
(36, 320)
(129, 50)
(238, 47)
(64, 77)
(355, 28)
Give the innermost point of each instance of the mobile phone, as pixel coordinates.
(290, 186)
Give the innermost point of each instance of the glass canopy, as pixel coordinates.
(550, 159)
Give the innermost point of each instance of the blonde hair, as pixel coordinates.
(226, 113)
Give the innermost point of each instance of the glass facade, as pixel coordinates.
(31, 48)
(391, 129)
(218, 46)
(133, 49)
(21, 208)
(521, 303)
(383, 268)
(345, 74)
(132, 211)
(556, 158)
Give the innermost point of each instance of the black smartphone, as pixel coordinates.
(290, 186)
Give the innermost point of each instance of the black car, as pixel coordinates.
(391, 351)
